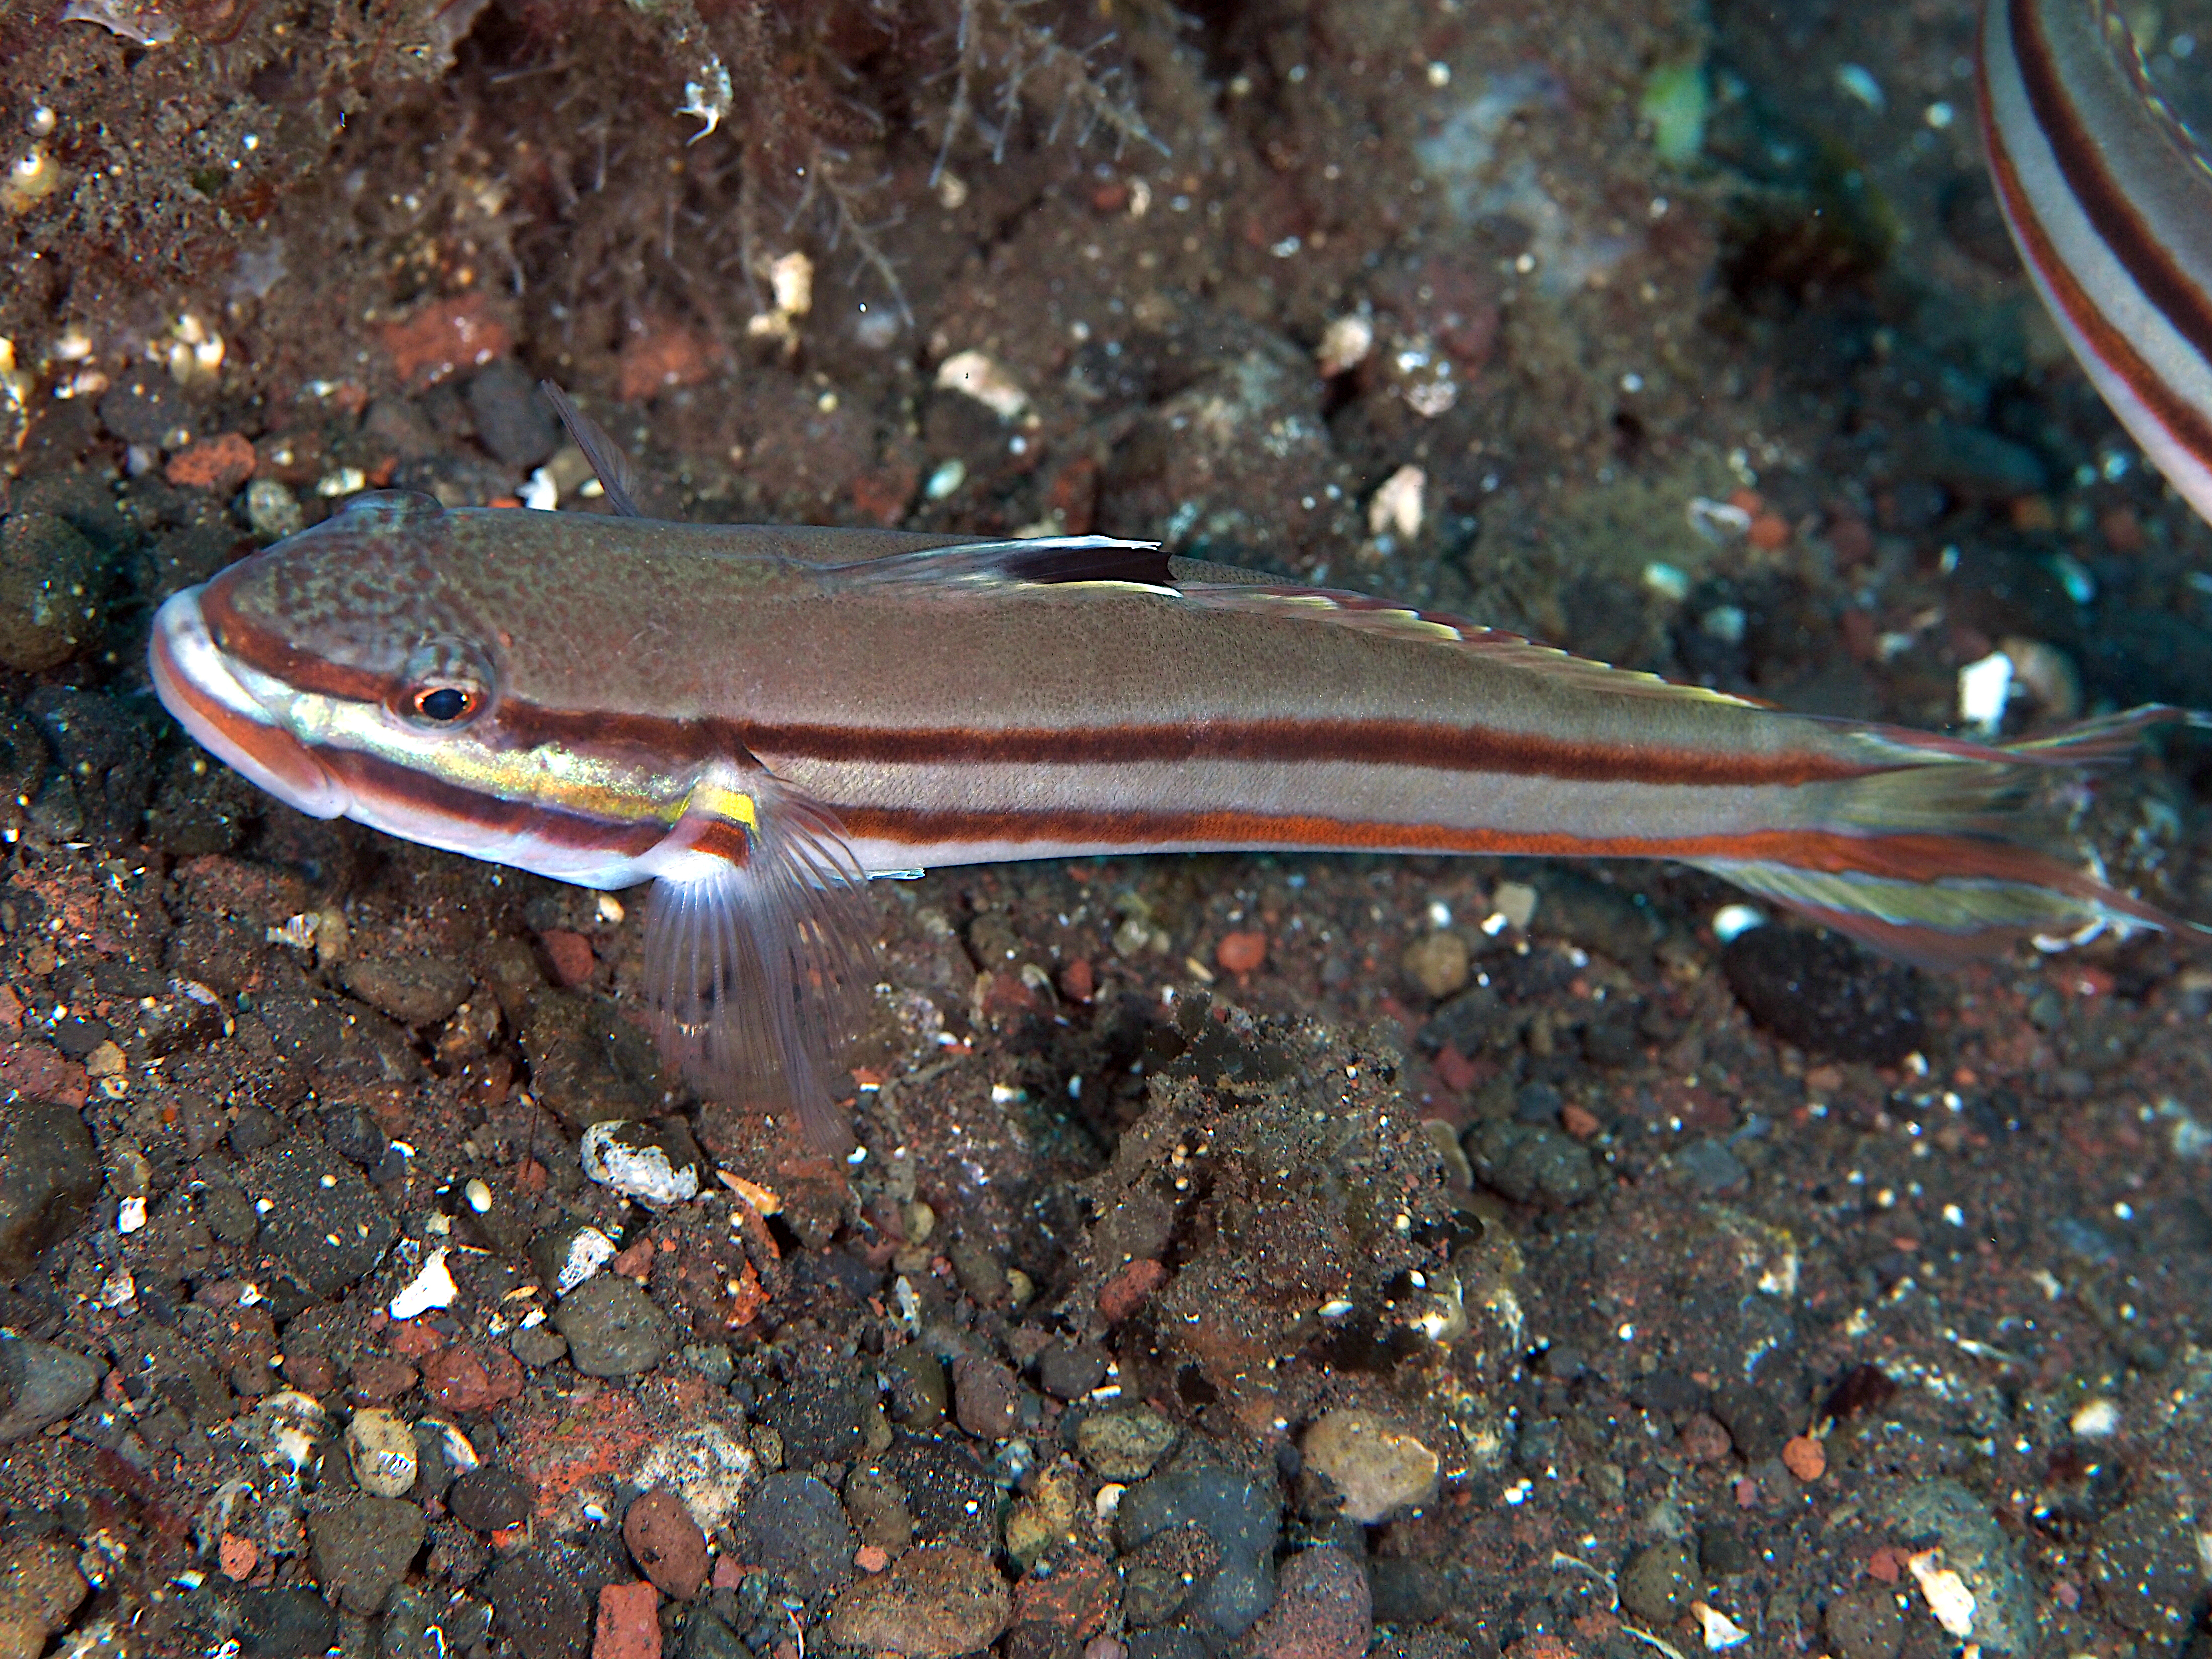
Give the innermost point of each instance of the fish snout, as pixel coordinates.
(235, 713)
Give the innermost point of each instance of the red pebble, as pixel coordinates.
(218, 465)
(667, 1543)
(1240, 953)
(1127, 1291)
(1077, 981)
(629, 1623)
(569, 954)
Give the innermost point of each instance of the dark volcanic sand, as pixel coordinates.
(1282, 1257)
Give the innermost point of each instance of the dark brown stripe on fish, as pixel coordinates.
(258, 648)
(2106, 205)
(2104, 199)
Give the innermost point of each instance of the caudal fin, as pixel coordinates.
(1961, 853)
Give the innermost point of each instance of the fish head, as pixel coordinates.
(351, 672)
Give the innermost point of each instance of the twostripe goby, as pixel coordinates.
(2111, 206)
(756, 719)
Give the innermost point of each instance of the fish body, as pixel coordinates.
(2109, 199)
(756, 720)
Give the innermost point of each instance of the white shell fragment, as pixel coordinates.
(1985, 688)
(1345, 344)
(1721, 1631)
(1397, 508)
(433, 1287)
(985, 380)
(1947, 1597)
(620, 1154)
(382, 1448)
(588, 1251)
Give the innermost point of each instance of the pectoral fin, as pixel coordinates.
(760, 951)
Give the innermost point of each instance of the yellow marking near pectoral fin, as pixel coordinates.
(713, 800)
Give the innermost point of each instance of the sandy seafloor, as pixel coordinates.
(1288, 1257)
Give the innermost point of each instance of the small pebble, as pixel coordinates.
(667, 1543)
(489, 1498)
(629, 1623)
(1438, 963)
(273, 510)
(1804, 1458)
(1322, 1609)
(935, 1602)
(1240, 953)
(1660, 1581)
(1378, 1468)
(1125, 1445)
(613, 1328)
(40, 1384)
(39, 1588)
(50, 581)
(362, 1548)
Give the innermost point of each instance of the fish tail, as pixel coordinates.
(1963, 849)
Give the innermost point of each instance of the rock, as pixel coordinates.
(1532, 1163)
(1322, 1609)
(362, 1549)
(464, 1378)
(105, 744)
(1974, 1546)
(1125, 1445)
(876, 1504)
(1378, 1468)
(538, 1346)
(40, 1588)
(512, 420)
(630, 1625)
(420, 1623)
(489, 1498)
(355, 1136)
(1240, 1521)
(40, 1384)
(2148, 1569)
(49, 1176)
(1166, 1572)
(320, 1214)
(1864, 1623)
(382, 1448)
(50, 591)
(1757, 1422)
(539, 1607)
(1050, 1513)
(667, 1543)
(294, 1623)
(613, 1328)
(1659, 1582)
(587, 1063)
(1824, 995)
(820, 1422)
(413, 990)
(934, 1602)
(1068, 1371)
(707, 1469)
(987, 1401)
(706, 1636)
(793, 1525)
(1438, 963)
(273, 510)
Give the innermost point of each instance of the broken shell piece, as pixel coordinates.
(382, 1448)
(1345, 344)
(626, 1156)
(985, 380)
(1396, 509)
(433, 1287)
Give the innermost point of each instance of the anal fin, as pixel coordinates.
(760, 951)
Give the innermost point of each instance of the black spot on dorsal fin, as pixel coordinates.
(617, 477)
(1086, 559)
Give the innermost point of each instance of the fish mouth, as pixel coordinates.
(214, 699)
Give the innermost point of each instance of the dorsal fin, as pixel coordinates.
(617, 477)
(1050, 560)
(1337, 607)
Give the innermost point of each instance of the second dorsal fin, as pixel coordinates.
(617, 477)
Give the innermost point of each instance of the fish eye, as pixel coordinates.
(445, 705)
